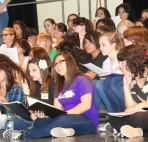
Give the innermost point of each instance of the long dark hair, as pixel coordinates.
(24, 45)
(45, 74)
(23, 27)
(105, 10)
(11, 69)
(72, 72)
(84, 21)
(128, 9)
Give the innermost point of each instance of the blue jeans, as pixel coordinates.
(110, 92)
(113, 88)
(22, 124)
(42, 127)
(3, 22)
(100, 96)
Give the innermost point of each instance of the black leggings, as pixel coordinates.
(139, 119)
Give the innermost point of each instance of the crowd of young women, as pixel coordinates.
(50, 68)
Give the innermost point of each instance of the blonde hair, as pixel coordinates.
(10, 30)
(114, 38)
(125, 23)
(46, 37)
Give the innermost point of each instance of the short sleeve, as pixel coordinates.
(84, 85)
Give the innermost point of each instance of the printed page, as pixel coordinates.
(32, 101)
(121, 114)
(96, 69)
(12, 53)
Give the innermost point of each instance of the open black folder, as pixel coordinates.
(19, 109)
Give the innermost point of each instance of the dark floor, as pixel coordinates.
(102, 137)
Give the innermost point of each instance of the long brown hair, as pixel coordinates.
(72, 72)
(11, 69)
(45, 75)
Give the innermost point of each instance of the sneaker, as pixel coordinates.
(102, 127)
(109, 129)
(11, 134)
(131, 132)
(3, 120)
(62, 132)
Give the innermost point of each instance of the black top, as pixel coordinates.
(98, 61)
(48, 98)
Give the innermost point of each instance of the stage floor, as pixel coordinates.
(101, 137)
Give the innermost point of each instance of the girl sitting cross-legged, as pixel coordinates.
(73, 94)
(134, 64)
(41, 85)
(10, 89)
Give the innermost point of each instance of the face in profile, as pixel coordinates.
(34, 72)
(105, 45)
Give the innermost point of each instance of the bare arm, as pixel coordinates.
(83, 106)
(57, 104)
(129, 102)
(90, 74)
(3, 95)
(138, 106)
(4, 4)
(131, 105)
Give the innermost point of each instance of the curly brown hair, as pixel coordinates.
(136, 58)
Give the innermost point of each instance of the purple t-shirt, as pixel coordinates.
(71, 97)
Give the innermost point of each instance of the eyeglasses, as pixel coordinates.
(59, 63)
(6, 35)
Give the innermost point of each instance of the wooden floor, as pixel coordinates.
(101, 137)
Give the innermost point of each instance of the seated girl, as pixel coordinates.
(41, 84)
(134, 64)
(73, 94)
(109, 90)
(10, 90)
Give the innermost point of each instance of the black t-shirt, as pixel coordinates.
(45, 97)
(98, 61)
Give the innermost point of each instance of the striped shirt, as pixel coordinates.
(139, 94)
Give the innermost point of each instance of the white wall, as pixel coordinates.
(54, 9)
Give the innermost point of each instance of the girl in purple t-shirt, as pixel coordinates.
(73, 94)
